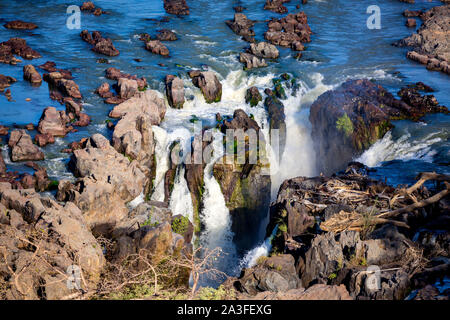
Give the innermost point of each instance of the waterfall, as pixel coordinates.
(216, 216)
(180, 199)
(251, 257)
(162, 162)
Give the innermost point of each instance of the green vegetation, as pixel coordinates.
(53, 185)
(345, 124)
(220, 293)
(332, 276)
(180, 225)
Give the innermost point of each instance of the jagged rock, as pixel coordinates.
(209, 85)
(348, 120)
(44, 139)
(101, 45)
(431, 44)
(156, 47)
(276, 6)
(87, 6)
(178, 7)
(108, 181)
(274, 274)
(289, 30)
(61, 239)
(53, 122)
(116, 74)
(175, 91)
(104, 90)
(30, 74)
(166, 35)
(20, 25)
(264, 50)
(315, 292)
(242, 26)
(253, 96)
(250, 61)
(2, 165)
(6, 81)
(61, 88)
(50, 66)
(16, 46)
(22, 147)
(127, 88)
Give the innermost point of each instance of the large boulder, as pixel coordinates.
(209, 85)
(157, 47)
(16, 46)
(289, 31)
(61, 88)
(53, 122)
(6, 81)
(348, 120)
(175, 91)
(251, 61)
(41, 240)
(264, 50)
(22, 147)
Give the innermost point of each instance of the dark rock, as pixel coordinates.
(116, 74)
(242, 26)
(50, 66)
(101, 45)
(61, 88)
(277, 117)
(20, 25)
(276, 6)
(18, 47)
(251, 61)
(166, 35)
(253, 96)
(178, 7)
(44, 139)
(291, 29)
(411, 23)
(6, 81)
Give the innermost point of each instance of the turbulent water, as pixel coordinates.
(342, 48)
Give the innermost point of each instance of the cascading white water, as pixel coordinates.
(180, 199)
(403, 148)
(215, 214)
(162, 162)
(251, 257)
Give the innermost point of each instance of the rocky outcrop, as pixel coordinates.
(431, 44)
(108, 180)
(275, 111)
(348, 120)
(16, 46)
(311, 220)
(30, 74)
(133, 135)
(22, 147)
(116, 74)
(264, 50)
(245, 183)
(242, 26)
(20, 25)
(157, 47)
(289, 31)
(127, 88)
(178, 7)
(175, 91)
(209, 85)
(100, 45)
(41, 240)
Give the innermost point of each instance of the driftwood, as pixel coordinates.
(357, 221)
